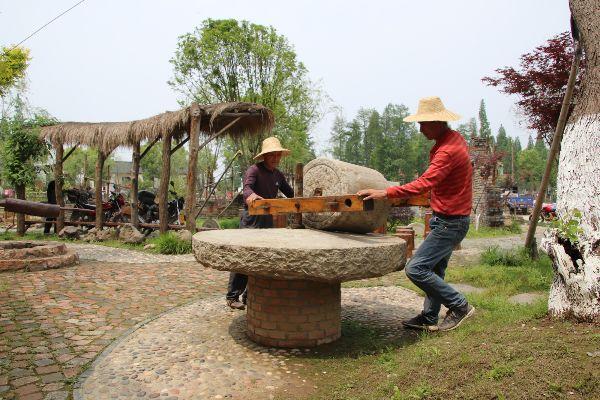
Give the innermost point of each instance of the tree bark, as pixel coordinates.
(575, 292)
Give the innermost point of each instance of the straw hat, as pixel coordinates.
(432, 109)
(271, 145)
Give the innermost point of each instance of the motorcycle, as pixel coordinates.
(547, 213)
(148, 208)
(111, 209)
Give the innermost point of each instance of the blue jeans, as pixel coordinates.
(427, 267)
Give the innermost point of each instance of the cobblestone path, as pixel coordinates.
(53, 323)
(200, 351)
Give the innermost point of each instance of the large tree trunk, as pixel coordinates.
(575, 291)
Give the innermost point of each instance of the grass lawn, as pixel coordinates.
(506, 351)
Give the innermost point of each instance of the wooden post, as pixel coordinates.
(58, 185)
(98, 184)
(20, 194)
(107, 182)
(192, 174)
(135, 172)
(163, 191)
(298, 183)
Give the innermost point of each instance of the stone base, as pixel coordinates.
(293, 313)
(32, 256)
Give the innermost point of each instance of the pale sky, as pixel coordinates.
(109, 60)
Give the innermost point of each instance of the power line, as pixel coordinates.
(46, 24)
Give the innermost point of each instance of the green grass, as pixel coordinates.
(224, 223)
(487, 232)
(169, 243)
(506, 351)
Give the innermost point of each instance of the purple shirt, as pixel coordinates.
(258, 179)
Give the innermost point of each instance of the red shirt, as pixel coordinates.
(449, 177)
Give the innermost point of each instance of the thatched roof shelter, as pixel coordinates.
(106, 136)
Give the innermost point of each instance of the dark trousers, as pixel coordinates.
(49, 225)
(237, 282)
(427, 267)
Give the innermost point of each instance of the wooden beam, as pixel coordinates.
(147, 149)
(70, 152)
(192, 173)
(214, 135)
(298, 182)
(163, 191)
(184, 141)
(135, 172)
(344, 203)
(58, 184)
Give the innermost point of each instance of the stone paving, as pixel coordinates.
(200, 351)
(54, 323)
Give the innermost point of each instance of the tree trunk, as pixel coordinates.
(20, 193)
(575, 292)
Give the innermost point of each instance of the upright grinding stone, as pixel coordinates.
(326, 177)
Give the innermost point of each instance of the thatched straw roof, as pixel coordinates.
(107, 136)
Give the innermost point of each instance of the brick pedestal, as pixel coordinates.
(293, 313)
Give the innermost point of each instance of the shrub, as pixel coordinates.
(168, 243)
(229, 223)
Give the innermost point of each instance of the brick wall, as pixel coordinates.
(293, 313)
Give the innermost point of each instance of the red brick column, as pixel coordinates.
(293, 313)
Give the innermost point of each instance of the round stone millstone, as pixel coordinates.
(326, 177)
(304, 254)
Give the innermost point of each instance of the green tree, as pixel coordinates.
(531, 167)
(229, 60)
(20, 150)
(13, 64)
(151, 166)
(484, 125)
(338, 137)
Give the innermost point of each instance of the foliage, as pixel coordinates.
(382, 142)
(13, 63)
(20, 146)
(169, 243)
(229, 60)
(540, 82)
(484, 125)
(569, 226)
(83, 158)
(151, 166)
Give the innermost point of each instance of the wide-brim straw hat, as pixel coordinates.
(271, 145)
(432, 109)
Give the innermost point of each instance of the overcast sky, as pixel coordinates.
(109, 60)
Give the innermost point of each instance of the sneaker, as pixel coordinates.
(454, 317)
(419, 322)
(235, 304)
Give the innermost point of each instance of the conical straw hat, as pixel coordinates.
(271, 145)
(432, 109)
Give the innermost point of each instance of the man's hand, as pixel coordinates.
(373, 194)
(251, 199)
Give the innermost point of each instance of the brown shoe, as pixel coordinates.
(235, 304)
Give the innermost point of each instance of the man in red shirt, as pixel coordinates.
(449, 178)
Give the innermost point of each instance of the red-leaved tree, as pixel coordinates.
(540, 82)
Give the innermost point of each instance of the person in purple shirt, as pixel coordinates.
(261, 181)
